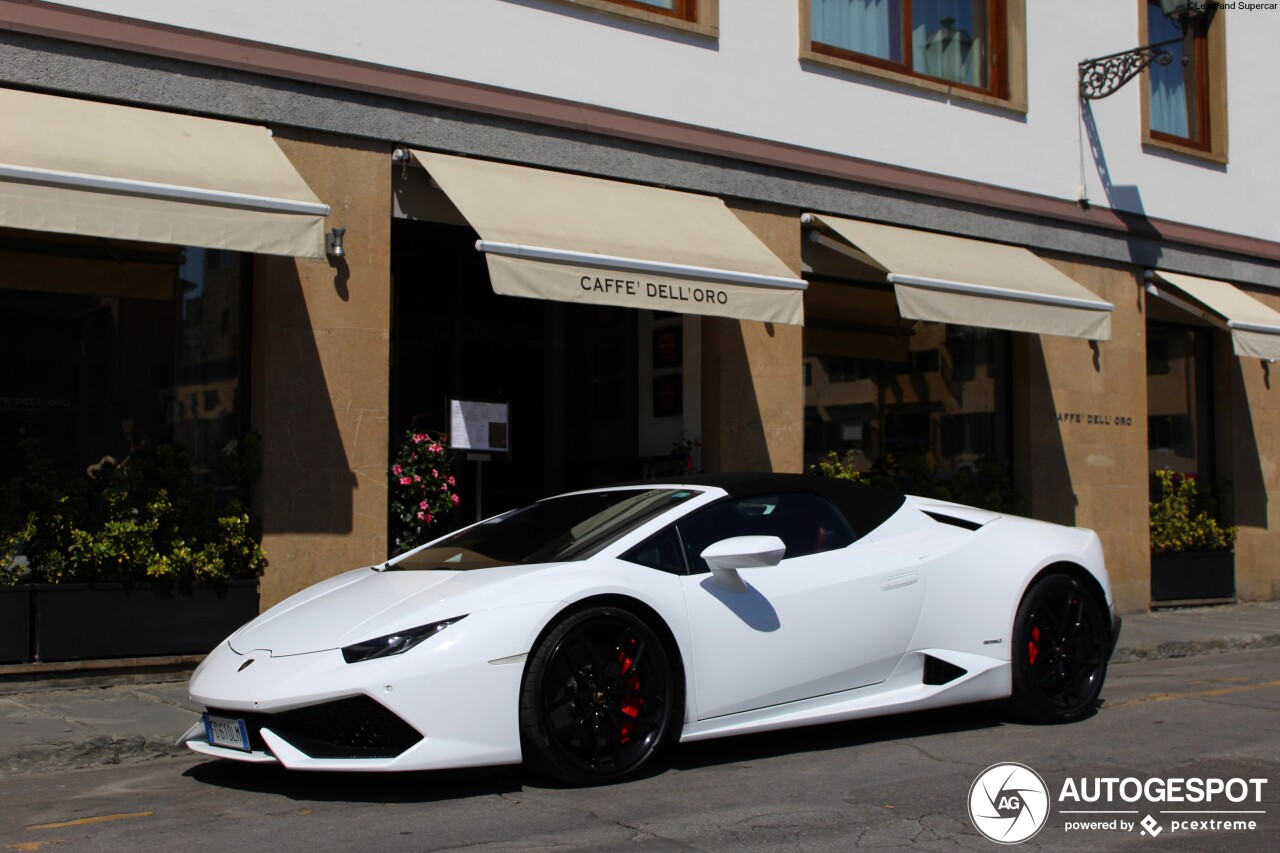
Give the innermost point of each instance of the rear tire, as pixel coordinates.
(596, 702)
(1059, 651)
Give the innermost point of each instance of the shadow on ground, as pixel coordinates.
(691, 756)
(432, 786)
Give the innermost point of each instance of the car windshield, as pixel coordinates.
(572, 527)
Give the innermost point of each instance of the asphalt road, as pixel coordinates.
(882, 784)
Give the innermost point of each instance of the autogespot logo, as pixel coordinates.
(1008, 803)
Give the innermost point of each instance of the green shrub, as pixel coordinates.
(839, 467)
(1183, 518)
(144, 519)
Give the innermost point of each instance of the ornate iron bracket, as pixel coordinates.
(1105, 75)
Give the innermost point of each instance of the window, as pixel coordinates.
(940, 402)
(969, 48)
(806, 524)
(116, 348)
(697, 16)
(1184, 102)
(1179, 399)
(570, 527)
(661, 551)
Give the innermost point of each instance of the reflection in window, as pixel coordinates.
(1178, 399)
(943, 399)
(943, 39)
(1177, 90)
(947, 38)
(113, 350)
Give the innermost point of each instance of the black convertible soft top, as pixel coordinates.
(865, 507)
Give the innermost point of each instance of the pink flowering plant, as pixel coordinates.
(422, 489)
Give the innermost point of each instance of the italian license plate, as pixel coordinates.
(226, 731)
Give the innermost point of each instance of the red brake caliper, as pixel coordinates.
(631, 703)
(1033, 647)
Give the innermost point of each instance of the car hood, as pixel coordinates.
(365, 603)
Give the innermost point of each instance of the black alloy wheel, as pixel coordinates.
(597, 699)
(1059, 651)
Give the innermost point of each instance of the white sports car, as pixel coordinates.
(582, 633)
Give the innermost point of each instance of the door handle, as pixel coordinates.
(900, 580)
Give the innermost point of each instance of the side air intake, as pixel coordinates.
(938, 671)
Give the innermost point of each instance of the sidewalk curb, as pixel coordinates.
(1193, 648)
(95, 752)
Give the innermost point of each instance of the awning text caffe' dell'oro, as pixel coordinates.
(654, 290)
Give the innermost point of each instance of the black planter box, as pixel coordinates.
(1193, 575)
(112, 620)
(15, 624)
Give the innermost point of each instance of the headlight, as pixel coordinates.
(397, 643)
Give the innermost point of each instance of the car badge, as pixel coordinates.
(245, 664)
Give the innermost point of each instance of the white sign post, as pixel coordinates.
(481, 428)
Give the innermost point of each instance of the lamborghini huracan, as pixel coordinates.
(584, 633)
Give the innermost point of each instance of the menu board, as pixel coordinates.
(480, 426)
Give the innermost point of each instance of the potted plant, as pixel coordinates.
(422, 491)
(1192, 550)
(132, 560)
(15, 600)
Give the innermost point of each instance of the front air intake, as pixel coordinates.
(357, 727)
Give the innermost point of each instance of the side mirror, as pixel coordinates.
(742, 552)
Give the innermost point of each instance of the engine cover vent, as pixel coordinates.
(952, 520)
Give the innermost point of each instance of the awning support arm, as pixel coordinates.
(1001, 293)
(1209, 317)
(842, 248)
(1253, 327)
(590, 259)
(151, 189)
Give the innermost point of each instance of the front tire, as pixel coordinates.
(1059, 651)
(596, 702)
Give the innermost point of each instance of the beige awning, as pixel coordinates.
(1254, 326)
(570, 238)
(946, 279)
(79, 167)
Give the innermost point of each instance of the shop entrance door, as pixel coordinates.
(569, 372)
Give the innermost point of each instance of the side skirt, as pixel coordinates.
(985, 678)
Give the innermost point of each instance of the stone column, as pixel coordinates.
(752, 394)
(1080, 430)
(1249, 433)
(320, 375)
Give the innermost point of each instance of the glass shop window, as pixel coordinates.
(113, 348)
(1179, 399)
(926, 395)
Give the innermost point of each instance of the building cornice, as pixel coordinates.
(49, 20)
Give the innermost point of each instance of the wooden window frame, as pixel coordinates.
(684, 10)
(700, 17)
(1006, 57)
(1210, 47)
